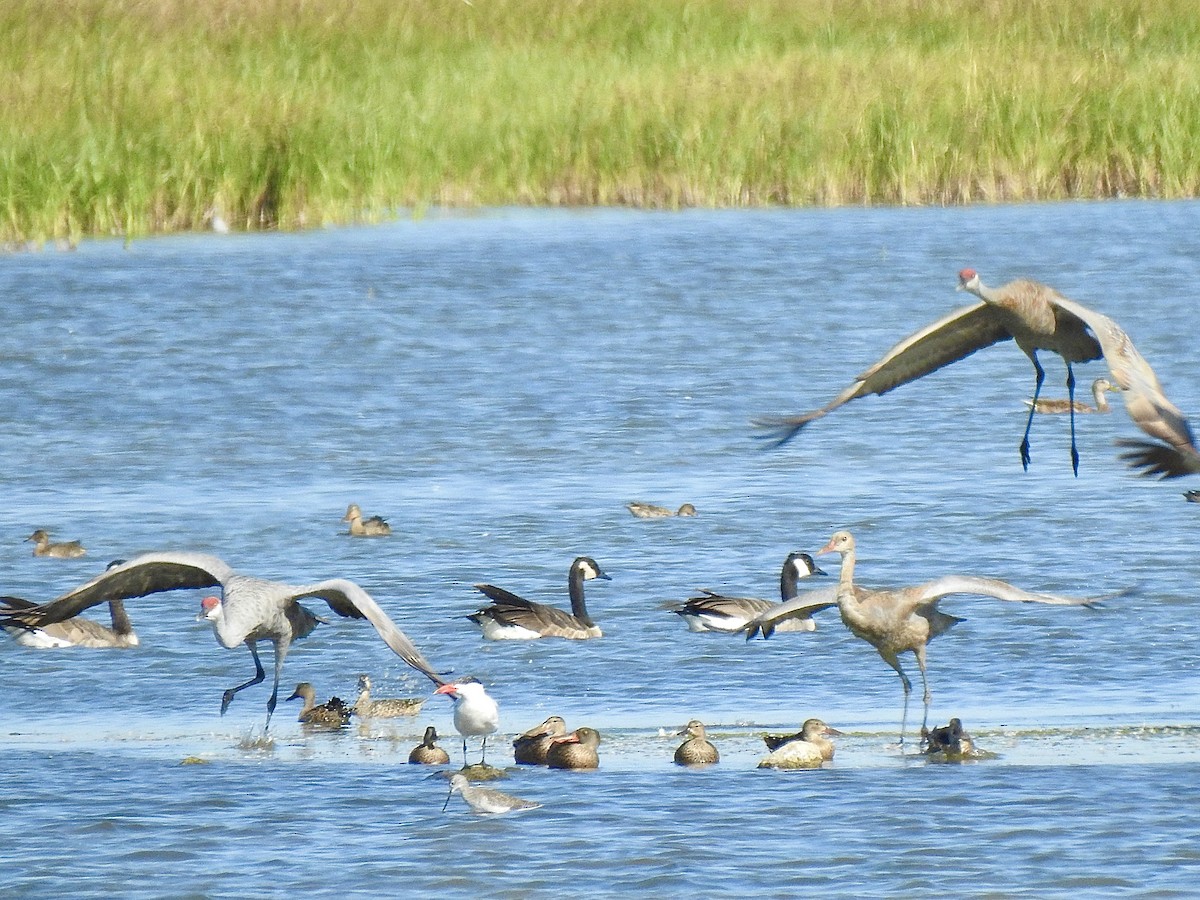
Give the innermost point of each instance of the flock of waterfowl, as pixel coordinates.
(249, 610)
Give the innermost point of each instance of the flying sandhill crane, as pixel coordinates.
(899, 620)
(249, 610)
(1037, 317)
(1055, 405)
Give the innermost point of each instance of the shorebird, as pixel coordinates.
(650, 511)
(530, 748)
(1036, 317)
(899, 620)
(426, 753)
(697, 750)
(577, 750)
(806, 750)
(1055, 405)
(390, 708)
(333, 714)
(729, 615)
(485, 801)
(63, 550)
(74, 632)
(248, 611)
(360, 527)
(514, 618)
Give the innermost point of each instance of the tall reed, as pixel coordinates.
(129, 116)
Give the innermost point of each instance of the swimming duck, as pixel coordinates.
(63, 550)
(950, 739)
(530, 748)
(426, 754)
(650, 511)
(485, 801)
(729, 615)
(697, 750)
(333, 714)
(393, 708)
(1053, 405)
(806, 750)
(515, 618)
(577, 750)
(1192, 496)
(360, 527)
(74, 632)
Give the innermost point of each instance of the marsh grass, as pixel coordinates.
(132, 116)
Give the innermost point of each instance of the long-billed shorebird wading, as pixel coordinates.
(1036, 317)
(514, 618)
(729, 615)
(485, 801)
(899, 620)
(248, 611)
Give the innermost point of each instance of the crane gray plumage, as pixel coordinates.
(1037, 317)
(899, 620)
(250, 609)
(73, 632)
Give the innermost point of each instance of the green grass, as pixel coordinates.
(134, 116)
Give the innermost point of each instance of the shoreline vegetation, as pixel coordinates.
(131, 117)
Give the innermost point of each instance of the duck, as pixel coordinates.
(730, 615)
(393, 708)
(333, 714)
(530, 748)
(514, 618)
(949, 739)
(1054, 405)
(650, 511)
(426, 754)
(807, 749)
(360, 527)
(63, 550)
(577, 750)
(1191, 496)
(74, 632)
(697, 750)
(485, 801)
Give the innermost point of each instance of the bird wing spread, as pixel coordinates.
(931, 591)
(348, 599)
(801, 607)
(1144, 399)
(951, 338)
(149, 573)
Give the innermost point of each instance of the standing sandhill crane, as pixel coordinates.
(899, 620)
(1037, 317)
(249, 610)
(42, 546)
(729, 615)
(73, 632)
(1054, 405)
(513, 618)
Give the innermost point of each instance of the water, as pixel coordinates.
(498, 386)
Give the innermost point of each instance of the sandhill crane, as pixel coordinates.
(1037, 317)
(530, 748)
(1054, 406)
(650, 511)
(249, 610)
(360, 527)
(427, 753)
(42, 546)
(697, 750)
(485, 801)
(729, 615)
(577, 750)
(807, 750)
(73, 632)
(514, 618)
(899, 620)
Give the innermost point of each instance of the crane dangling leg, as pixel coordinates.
(259, 675)
(894, 662)
(1071, 407)
(1037, 389)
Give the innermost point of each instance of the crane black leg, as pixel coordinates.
(1037, 389)
(259, 675)
(1071, 406)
